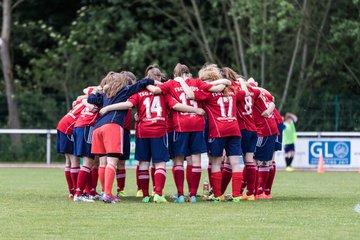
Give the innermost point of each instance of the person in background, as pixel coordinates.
(289, 139)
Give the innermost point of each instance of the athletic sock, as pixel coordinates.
(179, 178)
(243, 182)
(209, 174)
(110, 172)
(82, 180)
(216, 180)
(160, 178)
(226, 173)
(188, 176)
(120, 178)
(94, 177)
(195, 179)
(263, 176)
(236, 183)
(290, 161)
(68, 179)
(143, 181)
(152, 168)
(74, 172)
(251, 175)
(287, 160)
(137, 174)
(102, 178)
(271, 178)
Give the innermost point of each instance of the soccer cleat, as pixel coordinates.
(248, 198)
(228, 197)
(236, 199)
(214, 199)
(146, 199)
(71, 196)
(159, 199)
(82, 198)
(192, 199)
(180, 199)
(121, 193)
(268, 196)
(289, 169)
(261, 196)
(139, 193)
(109, 199)
(222, 198)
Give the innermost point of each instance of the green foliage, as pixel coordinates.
(62, 47)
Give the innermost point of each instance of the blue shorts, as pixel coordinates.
(278, 140)
(64, 143)
(232, 146)
(289, 147)
(83, 141)
(171, 144)
(189, 143)
(248, 141)
(126, 145)
(265, 148)
(206, 133)
(152, 149)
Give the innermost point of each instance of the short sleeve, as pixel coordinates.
(165, 87)
(134, 99)
(170, 101)
(203, 85)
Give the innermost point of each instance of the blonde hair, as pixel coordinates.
(117, 81)
(210, 72)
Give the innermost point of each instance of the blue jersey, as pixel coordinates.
(102, 100)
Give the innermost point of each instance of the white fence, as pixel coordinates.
(341, 150)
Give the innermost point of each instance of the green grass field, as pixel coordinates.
(306, 205)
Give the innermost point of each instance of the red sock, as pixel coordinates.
(137, 175)
(102, 178)
(110, 172)
(243, 183)
(188, 176)
(82, 180)
(94, 177)
(262, 179)
(195, 179)
(68, 179)
(179, 178)
(216, 180)
(160, 178)
(74, 172)
(222, 165)
(226, 173)
(89, 186)
(120, 177)
(209, 174)
(270, 180)
(153, 176)
(143, 181)
(236, 183)
(251, 175)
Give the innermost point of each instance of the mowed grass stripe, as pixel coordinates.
(306, 205)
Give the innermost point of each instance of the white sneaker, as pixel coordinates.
(82, 198)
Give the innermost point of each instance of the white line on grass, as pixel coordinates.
(357, 208)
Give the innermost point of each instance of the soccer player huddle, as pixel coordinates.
(220, 113)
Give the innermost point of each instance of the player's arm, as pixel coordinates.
(91, 107)
(243, 86)
(185, 108)
(221, 81)
(217, 88)
(153, 88)
(292, 116)
(269, 110)
(116, 106)
(187, 90)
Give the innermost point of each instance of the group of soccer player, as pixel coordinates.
(220, 113)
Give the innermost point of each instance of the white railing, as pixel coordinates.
(48, 133)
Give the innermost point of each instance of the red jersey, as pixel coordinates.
(244, 109)
(66, 124)
(86, 118)
(186, 122)
(127, 122)
(278, 117)
(170, 102)
(151, 111)
(265, 126)
(221, 112)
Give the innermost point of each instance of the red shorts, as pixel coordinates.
(108, 139)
